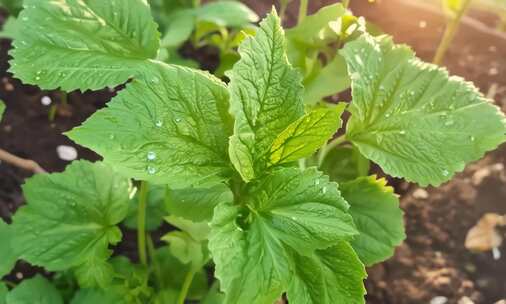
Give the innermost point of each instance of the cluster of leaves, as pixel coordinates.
(226, 164)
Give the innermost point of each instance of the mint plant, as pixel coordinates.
(234, 168)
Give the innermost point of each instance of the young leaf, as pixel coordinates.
(197, 204)
(266, 97)
(304, 136)
(345, 163)
(83, 44)
(70, 218)
(328, 276)
(172, 129)
(287, 211)
(375, 211)
(227, 13)
(96, 269)
(98, 296)
(35, 290)
(7, 254)
(411, 118)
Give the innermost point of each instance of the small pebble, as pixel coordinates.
(422, 24)
(493, 71)
(19, 275)
(46, 100)
(439, 300)
(465, 300)
(420, 193)
(67, 153)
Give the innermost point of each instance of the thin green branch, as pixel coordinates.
(328, 147)
(302, 10)
(346, 3)
(141, 223)
(186, 286)
(451, 30)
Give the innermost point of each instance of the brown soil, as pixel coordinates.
(432, 262)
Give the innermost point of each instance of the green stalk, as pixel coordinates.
(282, 10)
(186, 286)
(302, 10)
(328, 147)
(451, 30)
(346, 3)
(141, 223)
(155, 262)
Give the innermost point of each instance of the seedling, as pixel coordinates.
(226, 160)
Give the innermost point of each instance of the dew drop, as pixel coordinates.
(151, 155)
(317, 182)
(472, 138)
(37, 78)
(158, 123)
(449, 122)
(294, 218)
(387, 115)
(402, 132)
(151, 170)
(445, 172)
(178, 119)
(155, 80)
(324, 190)
(111, 136)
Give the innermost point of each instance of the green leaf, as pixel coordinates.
(328, 276)
(266, 97)
(411, 118)
(13, 6)
(83, 44)
(172, 129)
(309, 31)
(96, 269)
(4, 291)
(71, 217)
(2, 109)
(179, 28)
(37, 290)
(287, 211)
(10, 28)
(199, 231)
(155, 208)
(227, 13)
(375, 211)
(197, 204)
(330, 80)
(7, 253)
(306, 135)
(131, 281)
(345, 163)
(99, 296)
(214, 296)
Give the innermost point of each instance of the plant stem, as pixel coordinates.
(64, 98)
(327, 147)
(141, 223)
(283, 7)
(302, 10)
(451, 30)
(346, 3)
(154, 261)
(186, 286)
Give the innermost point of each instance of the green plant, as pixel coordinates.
(234, 168)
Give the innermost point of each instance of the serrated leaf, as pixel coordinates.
(328, 276)
(304, 136)
(266, 97)
(83, 45)
(172, 129)
(70, 217)
(411, 118)
(7, 253)
(155, 208)
(197, 204)
(99, 296)
(287, 211)
(379, 219)
(345, 163)
(37, 290)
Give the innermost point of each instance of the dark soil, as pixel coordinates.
(432, 261)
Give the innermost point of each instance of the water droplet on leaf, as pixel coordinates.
(151, 155)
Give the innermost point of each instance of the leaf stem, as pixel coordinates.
(451, 30)
(302, 10)
(141, 223)
(283, 7)
(186, 286)
(346, 3)
(154, 261)
(329, 146)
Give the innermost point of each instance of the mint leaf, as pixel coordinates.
(265, 97)
(375, 211)
(37, 290)
(7, 253)
(99, 296)
(172, 129)
(83, 44)
(411, 118)
(71, 217)
(345, 163)
(196, 204)
(287, 211)
(304, 136)
(328, 276)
